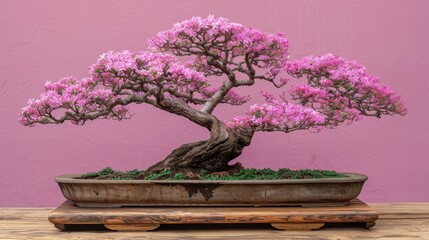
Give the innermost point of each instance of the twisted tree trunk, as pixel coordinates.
(212, 155)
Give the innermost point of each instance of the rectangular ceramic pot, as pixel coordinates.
(301, 192)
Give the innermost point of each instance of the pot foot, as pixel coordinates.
(132, 227)
(297, 226)
(61, 227)
(369, 225)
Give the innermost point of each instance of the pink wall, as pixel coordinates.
(45, 40)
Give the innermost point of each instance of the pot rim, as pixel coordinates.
(350, 177)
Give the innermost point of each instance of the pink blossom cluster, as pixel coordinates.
(220, 38)
(336, 107)
(112, 75)
(344, 86)
(78, 96)
(199, 63)
(145, 70)
(277, 116)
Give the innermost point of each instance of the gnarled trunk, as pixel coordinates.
(212, 155)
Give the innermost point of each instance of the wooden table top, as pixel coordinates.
(396, 221)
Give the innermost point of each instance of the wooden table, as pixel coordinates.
(396, 221)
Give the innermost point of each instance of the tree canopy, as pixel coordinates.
(335, 90)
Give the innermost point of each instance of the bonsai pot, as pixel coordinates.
(336, 191)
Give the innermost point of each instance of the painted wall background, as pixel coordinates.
(46, 40)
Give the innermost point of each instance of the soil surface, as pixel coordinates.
(235, 174)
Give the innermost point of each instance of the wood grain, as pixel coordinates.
(357, 211)
(132, 227)
(297, 226)
(32, 223)
(402, 210)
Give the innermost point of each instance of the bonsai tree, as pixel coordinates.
(335, 90)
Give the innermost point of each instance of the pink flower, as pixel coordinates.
(211, 36)
(277, 116)
(346, 85)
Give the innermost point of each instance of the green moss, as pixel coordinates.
(179, 176)
(132, 174)
(243, 174)
(109, 173)
(102, 172)
(160, 175)
(269, 174)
